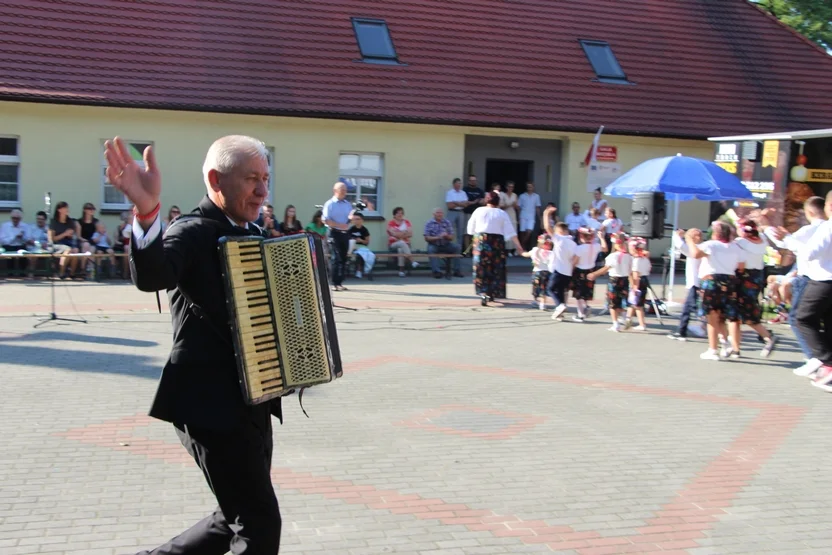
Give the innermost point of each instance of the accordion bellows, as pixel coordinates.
(281, 313)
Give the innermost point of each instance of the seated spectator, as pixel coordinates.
(576, 220)
(14, 236)
(359, 245)
(439, 233)
(101, 243)
(87, 223)
(317, 226)
(173, 213)
(122, 242)
(290, 224)
(39, 233)
(63, 234)
(399, 232)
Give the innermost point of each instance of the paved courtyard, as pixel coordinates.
(455, 430)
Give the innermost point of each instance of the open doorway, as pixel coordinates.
(500, 171)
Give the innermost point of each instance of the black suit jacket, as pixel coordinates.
(200, 383)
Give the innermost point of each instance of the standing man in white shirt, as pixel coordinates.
(529, 205)
(456, 200)
(816, 302)
(796, 242)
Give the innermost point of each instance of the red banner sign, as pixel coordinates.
(606, 153)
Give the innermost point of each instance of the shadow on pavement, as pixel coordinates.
(37, 335)
(81, 361)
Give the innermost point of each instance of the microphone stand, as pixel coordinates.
(53, 315)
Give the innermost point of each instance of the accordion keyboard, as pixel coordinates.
(255, 329)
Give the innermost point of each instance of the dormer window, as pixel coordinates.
(604, 63)
(374, 41)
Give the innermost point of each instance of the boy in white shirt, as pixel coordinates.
(691, 280)
(562, 264)
(586, 255)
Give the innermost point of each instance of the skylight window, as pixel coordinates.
(604, 62)
(374, 40)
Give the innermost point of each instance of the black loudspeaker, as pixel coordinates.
(648, 215)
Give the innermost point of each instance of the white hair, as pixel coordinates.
(16, 212)
(228, 152)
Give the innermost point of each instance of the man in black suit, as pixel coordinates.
(199, 392)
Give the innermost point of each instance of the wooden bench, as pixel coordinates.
(52, 259)
(387, 255)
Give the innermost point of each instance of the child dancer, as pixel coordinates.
(541, 257)
(691, 280)
(750, 282)
(561, 266)
(638, 282)
(721, 258)
(582, 287)
(619, 264)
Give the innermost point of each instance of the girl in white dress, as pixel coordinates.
(750, 282)
(721, 259)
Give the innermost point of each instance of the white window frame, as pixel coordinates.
(127, 205)
(365, 174)
(270, 197)
(12, 161)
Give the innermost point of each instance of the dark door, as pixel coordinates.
(500, 171)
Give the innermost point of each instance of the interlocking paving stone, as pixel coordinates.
(456, 429)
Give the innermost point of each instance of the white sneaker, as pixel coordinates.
(615, 327)
(358, 275)
(541, 305)
(577, 318)
(710, 354)
(414, 264)
(640, 328)
(769, 346)
(808, 369)
(402, 274)
(560, 309)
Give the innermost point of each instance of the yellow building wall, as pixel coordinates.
(60, 151)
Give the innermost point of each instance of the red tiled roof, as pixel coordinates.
(701, 67)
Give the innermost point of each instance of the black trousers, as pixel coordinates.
(237, 466)
(340, 246)
(690, 306)
(815, 308)
(13, 264)
(558, 283)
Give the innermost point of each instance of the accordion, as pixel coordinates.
(281, 313)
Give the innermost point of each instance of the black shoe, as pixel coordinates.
(437, 275)
(483, 300)
(458, 274)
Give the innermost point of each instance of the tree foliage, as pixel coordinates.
(810, 18)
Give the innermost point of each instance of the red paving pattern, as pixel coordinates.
(675, 528)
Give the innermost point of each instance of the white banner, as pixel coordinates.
(601, 174)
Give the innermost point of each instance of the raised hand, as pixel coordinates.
(141, 186)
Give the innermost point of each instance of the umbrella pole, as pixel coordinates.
(673, 254)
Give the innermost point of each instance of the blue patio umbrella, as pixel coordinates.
(680, 178)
